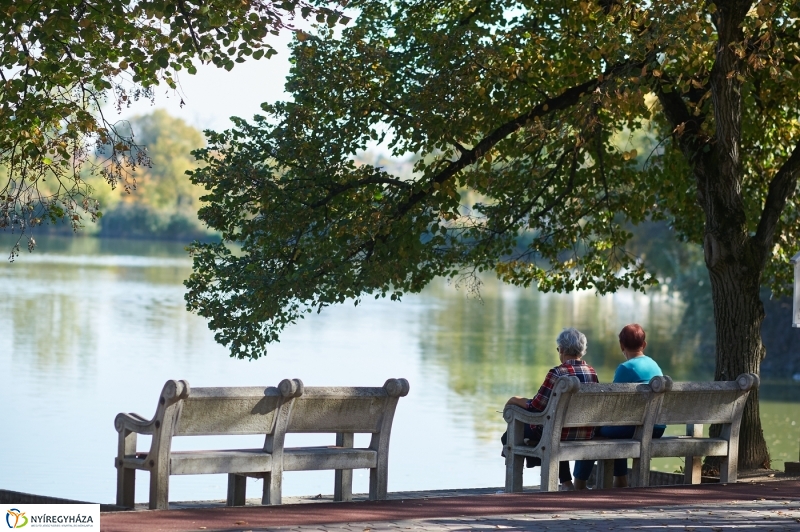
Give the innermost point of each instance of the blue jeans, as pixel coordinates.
(583, 468)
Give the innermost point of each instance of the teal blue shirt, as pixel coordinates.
(639, 369)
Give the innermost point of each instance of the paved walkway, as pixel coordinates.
(710, 507)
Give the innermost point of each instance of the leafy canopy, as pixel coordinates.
(61, 60)
(523, 115)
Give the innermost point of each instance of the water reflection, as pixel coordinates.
(93, 327)
(505, 343)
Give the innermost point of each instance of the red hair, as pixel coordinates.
(632, 337)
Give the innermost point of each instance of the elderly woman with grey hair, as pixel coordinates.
(571, 347)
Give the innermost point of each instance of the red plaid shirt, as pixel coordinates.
(578, 368)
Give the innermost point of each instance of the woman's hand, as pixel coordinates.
(518, 401)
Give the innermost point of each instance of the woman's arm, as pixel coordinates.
(518, 401)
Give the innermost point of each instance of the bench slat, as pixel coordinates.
(319, 458)
(589, 449)
(599, 449)
(223, 461)
(688, 446)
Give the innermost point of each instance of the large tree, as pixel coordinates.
(62, 61)
(519, 112)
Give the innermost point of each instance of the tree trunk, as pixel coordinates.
(735, 260)
(738, 313)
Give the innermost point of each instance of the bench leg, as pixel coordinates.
(343, 481)
(272, 488)
(728, 470)
(237, 489)
(343, 485)
(604, 475)
(514, 467)
(159, 488)
(378, 481)
(640, 473)
(549, 473)
(126, 486)
(692, 465)
(692, 469)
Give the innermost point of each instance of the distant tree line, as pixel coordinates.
(160, 203)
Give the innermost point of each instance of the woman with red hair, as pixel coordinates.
(637, 368)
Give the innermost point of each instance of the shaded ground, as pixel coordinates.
(747, 505)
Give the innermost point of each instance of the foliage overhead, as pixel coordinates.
(522, 113)
(62, 60)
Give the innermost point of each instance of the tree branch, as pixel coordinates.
(686, 127)
(355, 184)
(781, 188)
(565, 100)
(188, 20)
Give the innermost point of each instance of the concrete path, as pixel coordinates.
(708, 507)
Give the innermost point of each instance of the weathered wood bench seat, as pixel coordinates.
(272, 412)
(576, 404)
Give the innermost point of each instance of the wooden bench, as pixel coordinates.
(272, 412)
(576, 404)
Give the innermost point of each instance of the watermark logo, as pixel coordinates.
(53, 517)
(16, 518)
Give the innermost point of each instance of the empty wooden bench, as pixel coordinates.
(576, 404)
(183, 411)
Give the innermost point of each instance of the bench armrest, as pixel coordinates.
(134, 423)
(513, 412)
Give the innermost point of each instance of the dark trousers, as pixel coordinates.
(583, 468)
(533, 461)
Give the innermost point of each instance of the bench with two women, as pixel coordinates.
(573, 417)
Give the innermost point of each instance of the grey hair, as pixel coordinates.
(571, 342)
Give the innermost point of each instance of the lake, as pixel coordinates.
(91, 328)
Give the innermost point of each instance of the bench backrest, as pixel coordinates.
(272, 411)
(183, 411)
(241, 410)
(609, 405)
(340, 409)
(706, 402)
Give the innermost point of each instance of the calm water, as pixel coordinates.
(92, 328)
